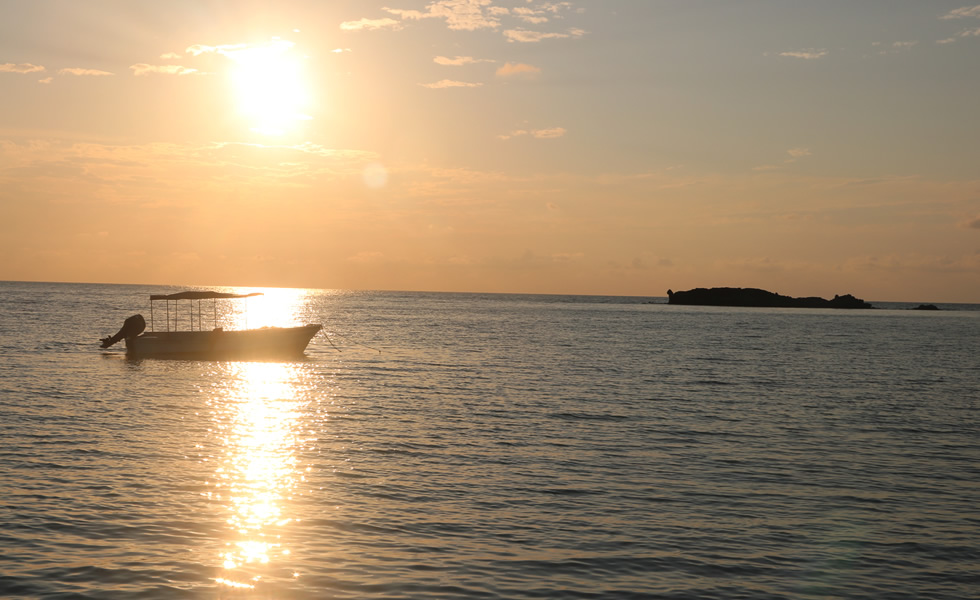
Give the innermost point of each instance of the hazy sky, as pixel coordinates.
(592, 146)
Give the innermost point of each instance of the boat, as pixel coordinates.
(216, 343)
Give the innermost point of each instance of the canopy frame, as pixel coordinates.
(191, 296)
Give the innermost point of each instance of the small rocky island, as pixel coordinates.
(726, 296)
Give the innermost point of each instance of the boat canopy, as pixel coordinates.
(201, 295)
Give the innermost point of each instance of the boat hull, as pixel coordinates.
(267, 343)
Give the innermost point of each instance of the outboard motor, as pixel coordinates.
(132, 327)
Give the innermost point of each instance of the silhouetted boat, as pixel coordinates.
(215, 343)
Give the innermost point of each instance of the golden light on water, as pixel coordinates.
(258, 422)
(276, 307)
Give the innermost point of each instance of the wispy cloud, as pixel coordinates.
(145, 69)
(961, 35)
(371, 24)
(806, 53)
(528, 36)
(199, 49)
(541, 13)
(549, 134)
(472, 15)
(77, 71)
(541, 134)
(518, 70)
(529, 15)
(169, 56)
(894, 47)
(464, 15)
(20, 68)
(231, 50)
(449, 83)
(965, 12)
(794, 155)
(459, 61)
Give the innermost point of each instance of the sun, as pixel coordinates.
(270, 86)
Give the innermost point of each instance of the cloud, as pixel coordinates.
(472, 15)
(407, 15)
(83, 72)
(527, 36)
(518, 70)
(541, 134)
(894, 47)
(549, 134)
(169, 56)
(233, 50)
(459, 61)
(794, 155)
(20, 68)
(145, 69)
(973, 223)
(965, 12)
(960, 35)
(449, 83)
(529, 15)
(512, 134)
(371, 25)
(199, 49)
(554, 7)
(463, 15)
(806, 54)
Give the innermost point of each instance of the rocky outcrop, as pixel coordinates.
(726, 296)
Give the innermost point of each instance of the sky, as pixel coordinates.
(618, 147)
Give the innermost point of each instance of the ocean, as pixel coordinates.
(438, 445)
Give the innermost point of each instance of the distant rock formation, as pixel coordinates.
(926, 307)
(726, 296)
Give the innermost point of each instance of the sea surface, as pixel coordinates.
(484, 446)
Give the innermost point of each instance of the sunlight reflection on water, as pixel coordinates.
(499, 447)
(257, 423)
(276, 307)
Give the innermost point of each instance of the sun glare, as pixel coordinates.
(270, 86)
(276, 307)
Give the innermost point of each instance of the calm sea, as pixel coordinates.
(491, 446)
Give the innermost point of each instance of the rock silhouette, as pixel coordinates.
(726, 296)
